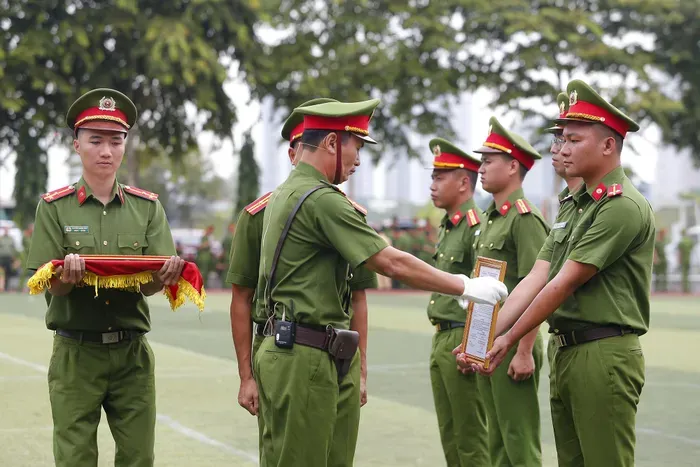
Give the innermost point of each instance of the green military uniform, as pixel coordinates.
(460, 411)
(226, 244)
(660, 265)
(298, 387)
(595, 385)
(243, 271)
(512, 232)
(685, 249)
(85, 374)
(205, 260)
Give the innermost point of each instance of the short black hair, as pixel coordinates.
(314, 137)
(473, 177)
(77, 132)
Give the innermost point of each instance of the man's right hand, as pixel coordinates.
(248, 396)
(482, 290)
(72, 271)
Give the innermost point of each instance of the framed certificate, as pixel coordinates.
(480, 327)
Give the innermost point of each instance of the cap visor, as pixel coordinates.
(102, 125)
(564, 121)
(367, 139)
(554, 129)
(488, 150)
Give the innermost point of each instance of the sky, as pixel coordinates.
(646, 141)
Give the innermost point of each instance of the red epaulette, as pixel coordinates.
(472, 218)
(614, 190)
(140, 193)
(522, 206)
(259, 204)
(58, 194)
(361, 209)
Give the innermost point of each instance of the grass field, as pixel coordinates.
(201, 424)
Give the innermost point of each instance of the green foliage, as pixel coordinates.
(248, 175)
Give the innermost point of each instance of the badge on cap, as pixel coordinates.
(490, 129)
(108, 104)
(562, 107)
(436, 150)
(573, 98)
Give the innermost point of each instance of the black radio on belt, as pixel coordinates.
(285, 331)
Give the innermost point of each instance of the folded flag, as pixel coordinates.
(127, 273)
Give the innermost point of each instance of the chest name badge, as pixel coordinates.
(76, 229)
(476, 234)
(559, 225)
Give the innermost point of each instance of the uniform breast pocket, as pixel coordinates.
(453, 261)
(559, 236)
(82, 244)
(131, 244)
(494, 244)
(578, 232)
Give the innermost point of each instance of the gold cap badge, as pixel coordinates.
(108, 104)
(573, 97)
(436, 150)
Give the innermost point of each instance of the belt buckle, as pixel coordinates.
(437, 327)
(110, 337)
(561, 340)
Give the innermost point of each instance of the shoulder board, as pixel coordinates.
(614, 190)
(140, 193)
(361, 209)
(259, 204)
(473, 218)
(522, 206)
(58, 194)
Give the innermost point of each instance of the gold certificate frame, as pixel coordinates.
(480, 327)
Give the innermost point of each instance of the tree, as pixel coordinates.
(248, 175)
(170, 58)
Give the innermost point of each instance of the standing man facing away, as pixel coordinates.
(307, 249)
(460, 411)
(591, 283)
(101, 358)
(513, 230)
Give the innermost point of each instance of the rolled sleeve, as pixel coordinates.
(244, 261)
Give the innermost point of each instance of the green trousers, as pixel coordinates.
(309, 419)
(460, 409)
(594, 393)
(685, 278)
(86, 377)
(257, 341)
(513, 413)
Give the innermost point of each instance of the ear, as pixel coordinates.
(291, 152)
(330, 141)
(514, 168)
(609, 146)
(76, 145)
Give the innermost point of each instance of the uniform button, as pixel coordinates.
(491, 222)
(77, 243)
(104, 213)
(447, 231)
(136, 243)
(104, 243)
(432, 302)
(451, 258)
(107, 303)
(481, 246)
(491, 245)
(109, 328)
(474, 245)
(580, 210)
(441, 255)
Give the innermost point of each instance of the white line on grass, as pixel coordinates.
(396, 367)
(166, 420)
(684, 439)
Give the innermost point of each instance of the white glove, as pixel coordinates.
(481, 290)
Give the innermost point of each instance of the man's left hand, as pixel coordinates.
(522, 366)
(363, 390)
(170, 273)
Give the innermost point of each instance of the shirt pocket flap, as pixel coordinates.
(496, 243)
(133, 241)
(454, 256)
(78, 241)
(559, 235)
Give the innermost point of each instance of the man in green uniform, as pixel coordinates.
(660, 262)
(8, 253)
(460, 411)
(685, 250)
(205, 259)
(242, 274)
(304, 282)
(101, 359)
(513, 230)
(591, 282)
(224, 259)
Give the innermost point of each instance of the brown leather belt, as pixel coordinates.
(447, 325)
(312, 337)
(568, 339)
(100, 337)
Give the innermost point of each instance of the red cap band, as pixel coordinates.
(586, 111)
(452, 161)
(94, 113)
(502, 143)
(353, 123)
(296, 133)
